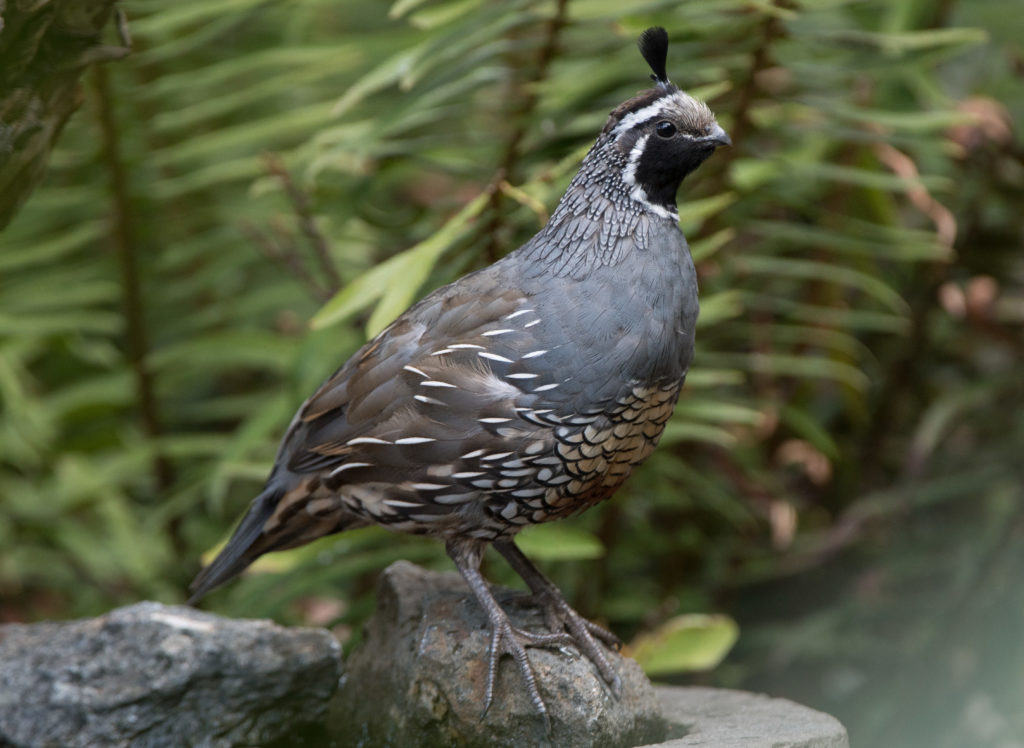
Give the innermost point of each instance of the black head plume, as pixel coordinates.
(653, 45)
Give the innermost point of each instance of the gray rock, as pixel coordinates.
(419, 676)
(153, 675)
(721, 718)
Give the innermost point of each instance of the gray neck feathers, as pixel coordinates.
(597, 222)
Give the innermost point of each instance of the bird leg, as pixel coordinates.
(505, 638)
(561, 616)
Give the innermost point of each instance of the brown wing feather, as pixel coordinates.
(374, 394)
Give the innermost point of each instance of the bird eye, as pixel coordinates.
(665, 129)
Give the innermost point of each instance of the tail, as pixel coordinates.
(245, 546)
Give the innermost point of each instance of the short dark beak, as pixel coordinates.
(718, 136)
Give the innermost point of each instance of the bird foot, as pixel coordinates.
(507, 639)
(584, 635)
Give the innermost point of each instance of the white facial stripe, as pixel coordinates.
(637, 193)
(629, 173)
(651, 111)
(640, 196)
(633, 119)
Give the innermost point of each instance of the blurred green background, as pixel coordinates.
(261, 185)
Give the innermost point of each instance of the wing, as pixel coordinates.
(463, 418)
(426, 379)
(460, 419)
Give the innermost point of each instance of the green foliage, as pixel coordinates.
(174, 290)
(687, 642)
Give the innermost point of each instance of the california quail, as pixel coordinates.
(520, 393)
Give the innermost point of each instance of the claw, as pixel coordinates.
(560, 616)
(585, 635)
(507, 639)
(568, 628)
(610, 639)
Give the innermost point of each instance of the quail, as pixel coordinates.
(521, 393)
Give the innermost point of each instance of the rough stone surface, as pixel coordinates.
(419, 678)
(721, 718)
(153, 675)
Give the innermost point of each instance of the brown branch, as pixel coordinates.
(510, 153)
(903, 166)
(287, 255)
(903, 373)
(125, 240)
(307, 224)
(771, 29)
(742, 122)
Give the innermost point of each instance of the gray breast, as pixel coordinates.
(631, 321)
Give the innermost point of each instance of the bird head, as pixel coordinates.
(662, 133)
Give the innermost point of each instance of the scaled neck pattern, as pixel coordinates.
(603, 217)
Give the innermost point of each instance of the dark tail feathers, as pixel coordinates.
(241, 550)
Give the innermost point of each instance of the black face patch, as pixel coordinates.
(665, 162)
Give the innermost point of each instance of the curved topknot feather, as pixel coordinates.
(653, 45)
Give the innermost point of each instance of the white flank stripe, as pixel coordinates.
(492, 333)
(494, 357)
(349, 466)
(428, 486)
(441, 352)
(521, 375)
(471, 455)
(398, 503)
(545, 387)
(367, 440)
(517, 314)
(414, 370)
(529, 493)
(531, 324)
(467, 346)
(495, 456)
(468, 474)
(436, 383)
(452, 498)
(429, 400)
(534, 354)
(414, 440)
(494, 420)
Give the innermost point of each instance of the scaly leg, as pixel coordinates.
(561, 616)
(505, 638)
